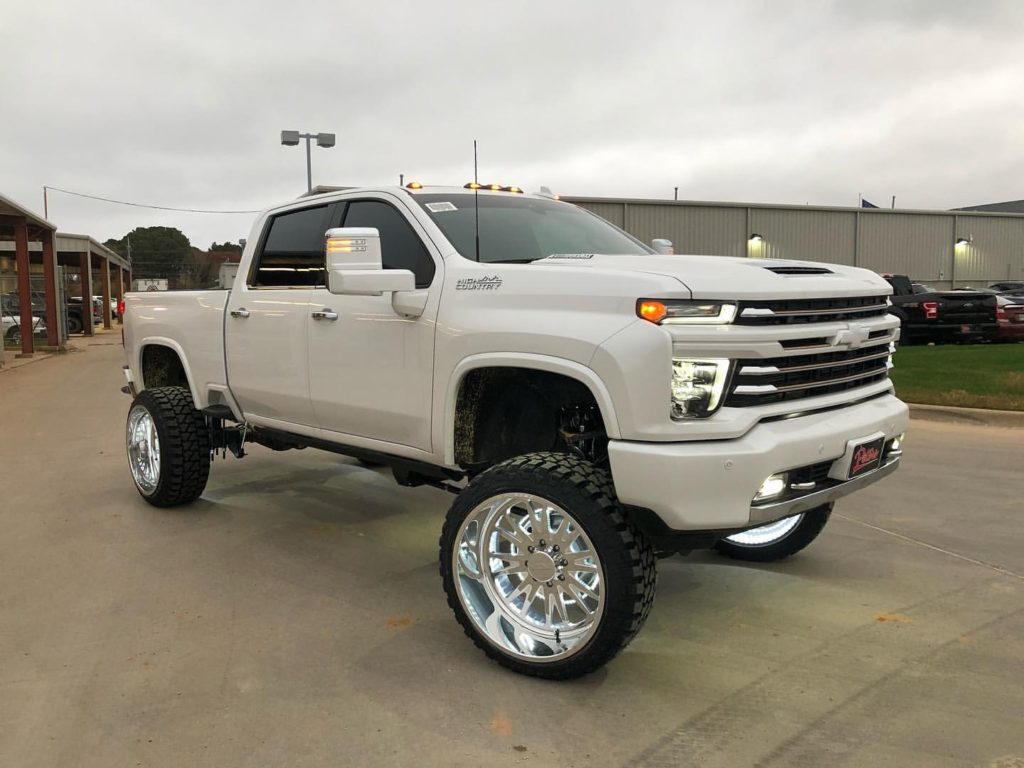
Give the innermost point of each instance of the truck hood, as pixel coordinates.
(724, 277)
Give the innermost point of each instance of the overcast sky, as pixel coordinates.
(181, 103)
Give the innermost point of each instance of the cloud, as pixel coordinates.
(181, 104)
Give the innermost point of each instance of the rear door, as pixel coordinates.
(266, 329)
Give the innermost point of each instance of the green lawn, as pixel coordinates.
(976, 376)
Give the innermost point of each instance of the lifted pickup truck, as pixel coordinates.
(592, 404)
(927, 315)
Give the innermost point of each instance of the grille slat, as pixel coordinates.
(781, 379)
(792, 311)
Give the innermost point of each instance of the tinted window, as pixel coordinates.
(401, 247)
(293, 251)
(516, 228)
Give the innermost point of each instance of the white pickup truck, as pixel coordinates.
(593, 404)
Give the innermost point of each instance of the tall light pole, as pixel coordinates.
(291, 139)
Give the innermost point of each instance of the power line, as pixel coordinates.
(140, 205)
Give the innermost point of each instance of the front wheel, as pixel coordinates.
(168, 446)
(542, 568)
(777, 540)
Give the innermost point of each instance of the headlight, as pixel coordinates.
(697, 387)
(679, 312)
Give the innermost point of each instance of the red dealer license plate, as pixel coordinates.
(866, 457)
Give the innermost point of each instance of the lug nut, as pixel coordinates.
(542, 542)
(531, 550)
(561, 577)
(550, 584)
(564, 563)
(554, 548)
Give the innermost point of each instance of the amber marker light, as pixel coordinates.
(414, 185)
(652, 311)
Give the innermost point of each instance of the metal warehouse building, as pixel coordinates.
(945, 249)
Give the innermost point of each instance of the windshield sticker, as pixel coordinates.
(571, 256)
(478, 284)
(441, 207)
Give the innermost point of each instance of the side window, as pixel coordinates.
(292, 253)
(401, 247)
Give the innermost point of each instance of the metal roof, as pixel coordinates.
(10, 208)
(67, 241)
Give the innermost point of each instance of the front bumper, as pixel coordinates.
(709, 485)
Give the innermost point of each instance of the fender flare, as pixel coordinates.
(547, 363)
(163, 341)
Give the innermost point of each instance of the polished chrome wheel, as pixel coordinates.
(143, 450)
(529, 577)
(766, 534)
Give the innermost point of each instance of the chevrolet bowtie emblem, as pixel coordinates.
(852, 337)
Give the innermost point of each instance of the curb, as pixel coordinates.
(973, 416)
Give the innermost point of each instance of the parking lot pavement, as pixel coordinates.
(294, 616)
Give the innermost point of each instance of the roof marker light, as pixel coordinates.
(414, 185)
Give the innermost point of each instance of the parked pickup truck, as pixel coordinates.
(591, 403)
(927, 315)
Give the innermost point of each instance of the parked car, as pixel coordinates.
(1010, 315)
(113, 305)
(1008, 286)
(959, 315)
(10, 328)
(589, 402)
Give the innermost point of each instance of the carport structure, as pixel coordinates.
(18, 228)
(94, 263)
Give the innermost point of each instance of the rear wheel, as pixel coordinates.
(74, 324)
(777, 540)
(168, 446)
(542, 569)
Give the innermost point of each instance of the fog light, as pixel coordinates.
(774, 485)
(897, 444)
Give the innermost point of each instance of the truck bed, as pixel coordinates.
(182, 320)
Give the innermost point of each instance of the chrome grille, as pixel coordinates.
(782, 379)
(792, 311)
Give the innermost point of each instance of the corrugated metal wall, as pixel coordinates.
(827, 236)
(917, 245)
(995, 250)
(920, 244)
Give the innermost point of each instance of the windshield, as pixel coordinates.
(514, 228)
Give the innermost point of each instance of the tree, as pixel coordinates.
(155, 252)
(226, 246)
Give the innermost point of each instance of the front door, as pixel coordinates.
(266, 330)
(370, 370)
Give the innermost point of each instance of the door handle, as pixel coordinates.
(325, 314)
(240, 312)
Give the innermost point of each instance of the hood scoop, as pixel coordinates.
(795, 270)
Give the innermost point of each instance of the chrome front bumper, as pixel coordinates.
(766, 513)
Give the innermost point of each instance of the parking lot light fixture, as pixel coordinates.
(291, 139)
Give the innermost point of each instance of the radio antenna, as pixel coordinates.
(476, 202)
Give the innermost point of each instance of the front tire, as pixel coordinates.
(777, 540)
(168, 446)
(542, 568)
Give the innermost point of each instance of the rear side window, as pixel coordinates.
(401, 247)
(292, 254)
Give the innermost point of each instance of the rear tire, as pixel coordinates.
(760, 546)
(168, 447)
(74, 324)
(592, 580)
